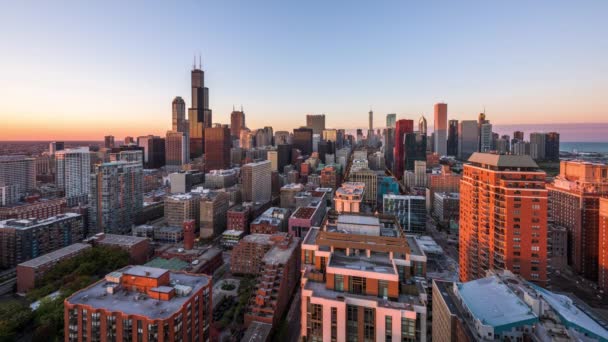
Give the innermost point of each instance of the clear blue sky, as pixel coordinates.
(115, 66)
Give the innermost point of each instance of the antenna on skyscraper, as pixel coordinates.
(200, 63)
(241, 108)
(194, 62)
(233, 108)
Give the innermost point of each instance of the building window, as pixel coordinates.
(339, 282)
(315, 322)
(408, 330)
(357, 285)
(383, 288)
(334, 324)
(369, 322)
(388, 328)
(127, 330)
(352, 328)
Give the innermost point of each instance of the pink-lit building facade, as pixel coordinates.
(348, 197)
(358, 282)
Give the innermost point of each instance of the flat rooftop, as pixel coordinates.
(494, 304)
(134, 303)
(28, 224)
(121, 240)
(173, 264)
(257, 332)
(55, 255)
(304, 212)
(280, 255)
(145, 271)
(375, 263)
(311, 236)
(503, 160)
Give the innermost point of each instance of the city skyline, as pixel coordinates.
(522, 74)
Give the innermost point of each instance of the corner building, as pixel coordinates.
(139, 303)
(359, 282)
(503, 217)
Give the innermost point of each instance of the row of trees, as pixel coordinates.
(46, 322)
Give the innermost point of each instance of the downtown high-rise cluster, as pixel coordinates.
(313, 234)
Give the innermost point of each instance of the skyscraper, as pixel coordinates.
(199, 115)
(73, 174)
(440, 127)
(316, 122)
(485, 138)
(422, 125)
(391, 120)
(55, 146)
(453, 138)
(256, 182)
(552, 146)
(537, 146)
(302, 139)
(404, 126)
(17, 178)
(371, 120)
(519, 135)
(283, 156)
(176, 149)
(178, 110)
(503, 224)
(108, 141)
(574, 199)
(237, 122)
(154, 150)
(217, 148)
(116, 197)
(415, 149)
(389, 143)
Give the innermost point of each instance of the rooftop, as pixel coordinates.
(375, 263)
(173, 264)
(280, 254)
(503, 160)
(304, 212)
(31, 223)
(145, 271)
(257, 332)
(55, 255)
(134, 303)
(494, 304)
(119, 240)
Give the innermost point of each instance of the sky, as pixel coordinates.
(72, 70)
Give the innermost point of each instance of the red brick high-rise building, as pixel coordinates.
(139, 303)
(503, 217)
(217, 148)
(574, 200)
(403, 127)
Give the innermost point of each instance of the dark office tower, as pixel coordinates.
(453, 138)
(371, 120)
(109, 141)
(415, 149)
(422, 125)
(389, 143)
(199, 114)
(316, 122)
(326, 147)
(552, 146)
(217, 148)
(178, 118)
(284, 156)
(518, 135)
(302, 140)
(403, 127)
(237, 122)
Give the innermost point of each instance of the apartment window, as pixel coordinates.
(140, 331)
(535, 248)
(536, 227)
(383, 288)
(111, 328)
(315, 322)
(334, 324)
(357, 285)
(127, 330)
(308, 257)
(408, 330)
(388, 328)
(339, 282)
(369, 323)
(352, 328)
(152, 332)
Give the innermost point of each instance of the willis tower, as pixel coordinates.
(199, 115)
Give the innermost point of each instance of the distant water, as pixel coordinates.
(599, 147)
